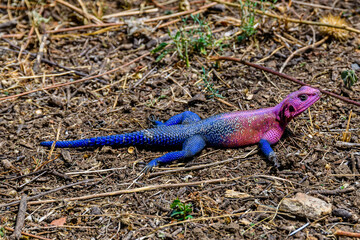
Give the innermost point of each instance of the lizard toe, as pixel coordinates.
(155, 120)
(273, 158)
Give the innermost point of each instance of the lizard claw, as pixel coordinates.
(273, 158)
(148, 168)
(155, 120)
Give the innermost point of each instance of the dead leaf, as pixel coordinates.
(59, 222)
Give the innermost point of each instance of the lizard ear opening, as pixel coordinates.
(291, 109)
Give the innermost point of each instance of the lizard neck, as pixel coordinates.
(281, 113)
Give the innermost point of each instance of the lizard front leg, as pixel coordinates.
(268, 152)
(191, 147)
(181, 118)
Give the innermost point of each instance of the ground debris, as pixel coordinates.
(303, 205)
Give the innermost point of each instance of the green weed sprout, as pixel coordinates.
(181, 211)
(209, 86)
(186, 42)
(349, 77)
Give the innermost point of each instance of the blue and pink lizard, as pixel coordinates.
(187, 131)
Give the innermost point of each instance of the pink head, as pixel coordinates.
(297, 102)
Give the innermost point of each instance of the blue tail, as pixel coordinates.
(127, 139)
(160, 136)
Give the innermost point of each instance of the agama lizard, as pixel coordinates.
(187, 130)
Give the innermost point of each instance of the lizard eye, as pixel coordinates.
(291, 109)
(303, 97)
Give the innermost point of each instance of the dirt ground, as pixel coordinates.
(96, 193)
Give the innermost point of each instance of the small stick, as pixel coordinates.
(226, 103)
(40, 53)
(344, 175)
(28, 234)
(347, 234)
(77, 81)
(130, 13)
(86, 14)
(299, 229)
(318, 6)
(346, 144)
(85, 27)
(347, 135)
(187, 169)
(127, 191)
(78, 10)
(350, 29)
(332, 192)
(159, 5)
(20, 219)
(302, 50)
(33, 55)
(48, 192)
(217, 58)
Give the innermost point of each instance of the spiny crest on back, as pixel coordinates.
(297, 102)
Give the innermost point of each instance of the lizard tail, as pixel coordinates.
(160, 136)
(127, 139)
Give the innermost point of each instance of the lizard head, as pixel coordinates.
(297, 102)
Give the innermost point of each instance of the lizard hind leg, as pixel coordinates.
(181, 118)
(191, 147)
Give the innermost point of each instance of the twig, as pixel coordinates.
(86, 14)
(126, 191)
(318, 6)
(203, 165)
(159, 5)
(299, 229)
(145, 76)
(203, 8)
(302, 50)
(177, 83)
(48, 192)
(346, 144)
(44, 60)
(347, 234)
(78, 10)
(32, 180)
(77, 81)
(95, 171)
(20, 218)
(12, 7)
(284, 76)
(85, 27)
(210, 218)
(28, 234)
(332, 192)
(344, 175)
(130, 13)
(226, 103)
(40, 53)
(350, 29)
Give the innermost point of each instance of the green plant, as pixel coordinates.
(209, 86)
(2, 232)
(181, 211)
(349, 77)
(38, 19)
(247, 20)
(186, 42)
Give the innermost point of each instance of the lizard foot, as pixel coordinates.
(273, 158)
(155, 120)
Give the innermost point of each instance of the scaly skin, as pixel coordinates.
(263, 126)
